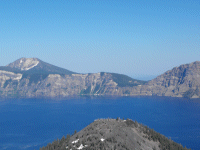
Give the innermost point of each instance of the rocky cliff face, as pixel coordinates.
(34, 78)
(55, 85)
(182, 81)
(30, 77)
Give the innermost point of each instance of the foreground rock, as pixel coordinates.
(115, 134)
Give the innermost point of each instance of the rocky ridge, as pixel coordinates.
(182, 81)
(40, 79)
(33, 78)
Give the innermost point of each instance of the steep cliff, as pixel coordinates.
(182, 81)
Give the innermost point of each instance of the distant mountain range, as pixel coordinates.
(33, 78)
(115, 134)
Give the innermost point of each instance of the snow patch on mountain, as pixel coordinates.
(75, 141)
(31, 66)
(24, 63)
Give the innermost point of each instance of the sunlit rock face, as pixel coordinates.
(6, 76)
(182, 81)
(24, 63)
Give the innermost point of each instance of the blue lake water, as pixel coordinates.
(33, 123)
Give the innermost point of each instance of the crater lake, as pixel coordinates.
(32, 123)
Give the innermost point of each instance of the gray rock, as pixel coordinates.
(115, 134)
(182, 81)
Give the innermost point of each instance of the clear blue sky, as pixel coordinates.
(134, 37)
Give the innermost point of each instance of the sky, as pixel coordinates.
(138, 38)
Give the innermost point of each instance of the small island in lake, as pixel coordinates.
(114, 134)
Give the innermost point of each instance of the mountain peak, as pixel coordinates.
(24, 63)
(34, 66)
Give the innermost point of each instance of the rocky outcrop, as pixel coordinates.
(182, 81)
(115, 134)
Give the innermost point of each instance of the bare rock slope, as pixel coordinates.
(115, 134)
(24, 63)
(182, 81)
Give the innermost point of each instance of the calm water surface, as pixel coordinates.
(33, 123)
